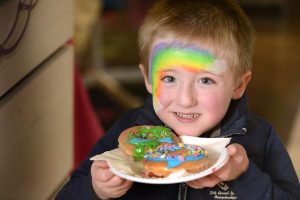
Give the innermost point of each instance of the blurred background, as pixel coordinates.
(74, 71)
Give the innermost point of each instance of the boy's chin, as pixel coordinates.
(187, 132)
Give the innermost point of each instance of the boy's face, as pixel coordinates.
(191, 88)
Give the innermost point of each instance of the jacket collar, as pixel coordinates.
(235, 120)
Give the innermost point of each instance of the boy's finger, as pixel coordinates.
(236, 152)
(100, 171)
(101, 163)
(105, 175)
(116, 181)
(232, 149)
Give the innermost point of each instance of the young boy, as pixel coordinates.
(196, 63)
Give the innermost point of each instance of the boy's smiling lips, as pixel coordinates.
(186, 117)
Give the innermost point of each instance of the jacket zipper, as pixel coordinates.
(182, 191)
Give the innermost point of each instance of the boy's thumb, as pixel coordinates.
(102, 164)
(232, 149)
(236, 151)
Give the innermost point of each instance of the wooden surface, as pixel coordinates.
(36, 131)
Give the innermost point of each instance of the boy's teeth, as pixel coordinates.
(187, 116)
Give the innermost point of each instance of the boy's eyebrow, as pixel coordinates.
(212, 72)
(167, 69)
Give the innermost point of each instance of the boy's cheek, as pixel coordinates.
(157, 107)
(161, 101)
(218, 105)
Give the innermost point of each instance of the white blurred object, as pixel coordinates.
(212, 145)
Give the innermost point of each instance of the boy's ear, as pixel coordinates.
(242, 84)
(146, 78)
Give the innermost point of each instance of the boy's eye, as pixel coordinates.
(207, 81)
(168, 79)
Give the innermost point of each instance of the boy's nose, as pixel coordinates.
(186, 97)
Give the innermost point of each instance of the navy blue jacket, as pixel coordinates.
(270, 174)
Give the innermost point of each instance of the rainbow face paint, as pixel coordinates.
(171, 55)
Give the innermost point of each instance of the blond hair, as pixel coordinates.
(222, 23)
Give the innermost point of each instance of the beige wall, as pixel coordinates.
(36, 127)
(36, 101)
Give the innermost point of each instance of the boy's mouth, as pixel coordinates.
(187, 116)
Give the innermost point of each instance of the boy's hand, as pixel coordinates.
(106, 184)
(236, 165)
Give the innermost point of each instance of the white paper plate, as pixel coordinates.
(128, 169)
(179, 177)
